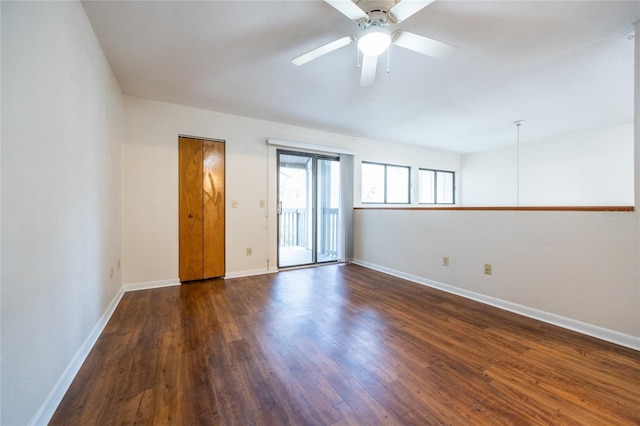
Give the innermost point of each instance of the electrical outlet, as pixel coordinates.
(487, 269)
(249, 251)
(262, 204)
(234, 204)
(445, 261)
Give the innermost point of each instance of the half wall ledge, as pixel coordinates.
(514, 208)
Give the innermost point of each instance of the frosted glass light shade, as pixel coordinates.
(374, 42)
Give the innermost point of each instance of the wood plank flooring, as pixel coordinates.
(342, 345)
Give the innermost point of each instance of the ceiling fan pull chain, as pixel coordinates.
(388, 59)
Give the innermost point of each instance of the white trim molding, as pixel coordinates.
(48, 408)
(601, 333)
(250, 273)
(308, 147)
(50, 405)
(150, 284)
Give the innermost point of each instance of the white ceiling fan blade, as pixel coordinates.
(348, 9)
(426, 46)
(405, 8)
(323, 50)
(369, 65)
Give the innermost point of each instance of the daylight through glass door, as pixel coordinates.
(308, 208)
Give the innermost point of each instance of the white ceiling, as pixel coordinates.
(560, 66)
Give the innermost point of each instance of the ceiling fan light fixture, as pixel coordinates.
(375, 41)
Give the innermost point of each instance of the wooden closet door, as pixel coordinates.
(190, 209)
(201, 208)
(213, 207)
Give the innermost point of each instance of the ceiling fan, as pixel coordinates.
(375, 38)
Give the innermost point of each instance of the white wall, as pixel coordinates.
(150, 183)
(579, 265)
(591, 168)
(61, 197)
(636, 136)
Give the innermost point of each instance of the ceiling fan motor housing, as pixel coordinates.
(377, 17)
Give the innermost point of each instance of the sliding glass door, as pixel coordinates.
(308, 208)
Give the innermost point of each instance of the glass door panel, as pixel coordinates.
(308, 206)
(328, 183)
(295, 222)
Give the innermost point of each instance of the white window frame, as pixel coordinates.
(434, 189)
(386, 183)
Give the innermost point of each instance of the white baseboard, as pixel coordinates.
(150, 284)
(560, 321)
(250, 273)
(48, 408)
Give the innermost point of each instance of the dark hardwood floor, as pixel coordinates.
(342, 345)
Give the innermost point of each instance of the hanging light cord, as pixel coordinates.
(518, 123)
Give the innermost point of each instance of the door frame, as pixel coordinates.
(314, 204)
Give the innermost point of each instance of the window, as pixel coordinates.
(436, 187)
(385, 183)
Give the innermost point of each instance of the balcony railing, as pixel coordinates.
(293, 223)
(294, 230)
(328, 233)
